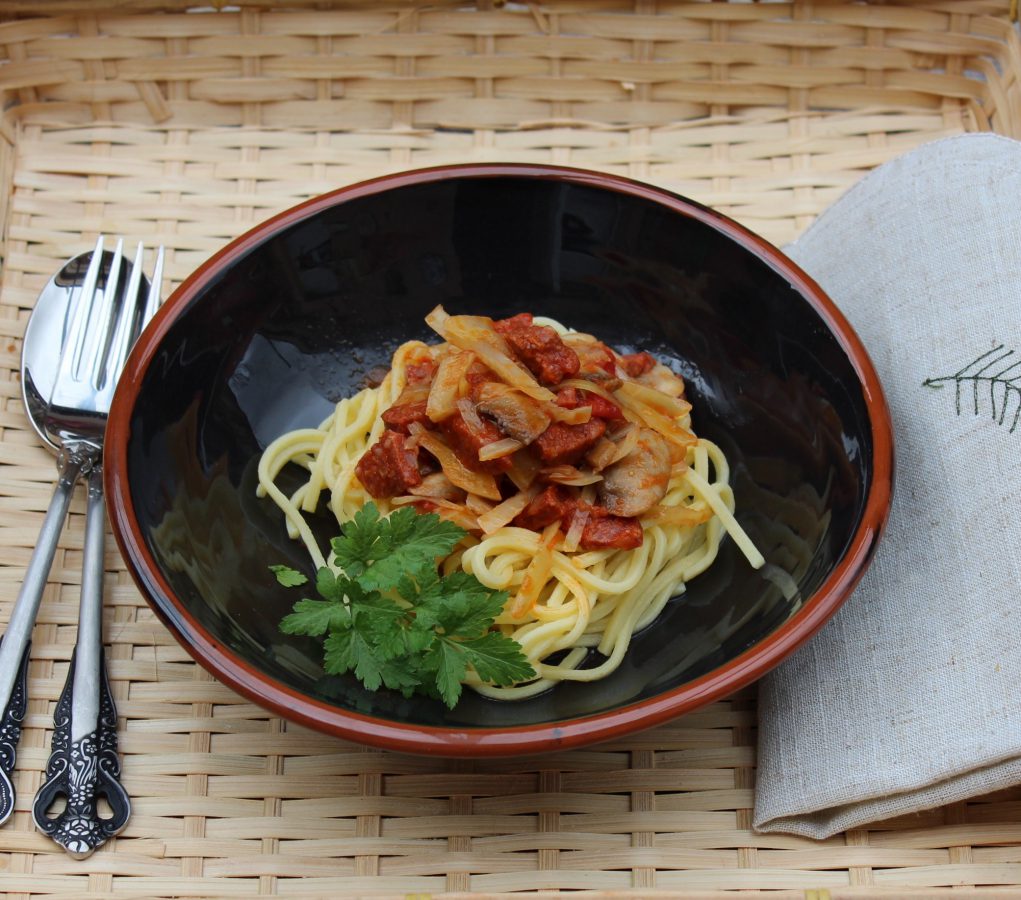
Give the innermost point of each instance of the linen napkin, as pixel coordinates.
(911, 696)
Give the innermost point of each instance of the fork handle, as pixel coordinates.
(83, 764)
(14, 646)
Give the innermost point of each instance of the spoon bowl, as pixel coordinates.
(46, 331)
(96, 329)
(75, 345)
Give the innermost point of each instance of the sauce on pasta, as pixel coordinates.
(573, 468)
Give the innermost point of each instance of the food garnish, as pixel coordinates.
(575, 499)
(388, 615)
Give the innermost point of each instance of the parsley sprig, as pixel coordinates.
(393, 620)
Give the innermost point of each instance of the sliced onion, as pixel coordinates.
(524, 468)
(578, 522)
(499, 449)
(661, 379)
(620, 434)
(570, 475)
(673, 431)
(445, 509)
(470, 414)
(437, 486)
(412, 393)
(607, 451)
(437, 319)
(670, 406)
(601, 454)
(476, 333)
(446, 385)
(577, 416)
(477, 504)
(593, 354)
(536, 575)
(456, 513)
(480, 483)
(504, 513)
(625, 441)
(583, 384)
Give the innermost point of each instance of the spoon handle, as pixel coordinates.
(14, 646)
(83, 765)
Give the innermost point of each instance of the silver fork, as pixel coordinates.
(44, 344)
(83, 765)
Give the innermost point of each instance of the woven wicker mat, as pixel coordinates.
(185, 129)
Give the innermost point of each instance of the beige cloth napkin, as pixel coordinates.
(911, 696)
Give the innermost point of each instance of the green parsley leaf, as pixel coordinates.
(448, 662)
(332, 586)
(316, 617)
(379, 552)
(419, 637)
(383, 623)
(354, 548)
(497, 658)
(459, 604)
(399, 677)
(390, 618)
(348, 650)
(287, 576)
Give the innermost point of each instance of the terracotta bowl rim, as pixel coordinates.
(303, 709)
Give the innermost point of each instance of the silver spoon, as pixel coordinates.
(84, 276)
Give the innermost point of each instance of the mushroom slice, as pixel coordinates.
(639, 481)
(515, 414)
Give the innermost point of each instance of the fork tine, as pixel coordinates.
(152, 302)
(101, 332)
(74, 339)
(124, 332)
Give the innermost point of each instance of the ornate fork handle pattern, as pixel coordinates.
(68, 398)
(83, 764)
(83, 771)
(10, 732)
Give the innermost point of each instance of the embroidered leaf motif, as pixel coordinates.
(995, 375)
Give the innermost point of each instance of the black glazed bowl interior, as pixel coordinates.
(291, 317)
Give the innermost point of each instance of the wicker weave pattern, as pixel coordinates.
(187, 128)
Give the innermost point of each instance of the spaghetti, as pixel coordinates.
(573, 468)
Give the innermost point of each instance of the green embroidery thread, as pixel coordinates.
(1000, 385)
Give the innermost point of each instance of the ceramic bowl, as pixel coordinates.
(289, 318)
